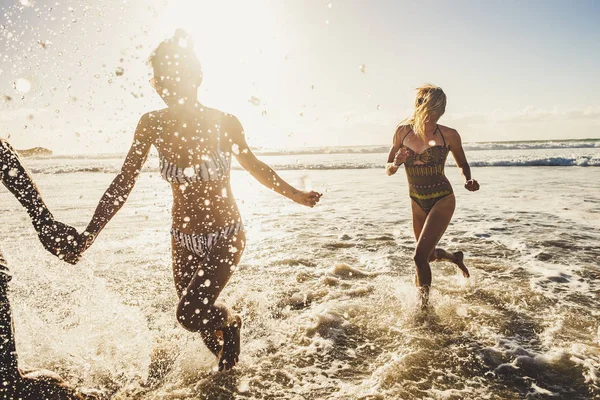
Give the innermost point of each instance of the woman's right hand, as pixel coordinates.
(401, 156)
(309, 199)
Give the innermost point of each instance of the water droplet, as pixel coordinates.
(207, 283)
(12, 172)
(243, 386)
(432, 142)
(22, 85)
(186, 219)
(189, 172)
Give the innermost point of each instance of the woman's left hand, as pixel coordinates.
(472, 185)
(309, 199)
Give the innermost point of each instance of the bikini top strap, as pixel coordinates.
(441, 134)
(404, 137)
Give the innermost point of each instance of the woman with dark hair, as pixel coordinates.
(423, 146)
(195, 144)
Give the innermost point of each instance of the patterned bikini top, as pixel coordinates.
(432, 156)
(214, 167)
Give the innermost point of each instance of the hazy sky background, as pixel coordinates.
(512, 70)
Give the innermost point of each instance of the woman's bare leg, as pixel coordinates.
(437, 254)
(199, 283)
(434, 226)
(185, 263)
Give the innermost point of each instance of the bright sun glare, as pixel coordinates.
(239, 45)
(228, 45)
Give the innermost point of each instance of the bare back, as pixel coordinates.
(187, 141)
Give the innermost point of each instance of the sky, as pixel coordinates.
(302, 73)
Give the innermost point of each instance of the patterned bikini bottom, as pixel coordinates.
(202, 244)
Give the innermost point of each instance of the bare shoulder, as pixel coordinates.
(401, 131)
(149, 125)
(230, 123)
(450, 134)
(155, 115)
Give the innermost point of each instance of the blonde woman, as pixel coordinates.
(423, 146)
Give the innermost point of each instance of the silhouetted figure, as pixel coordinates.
(195, 144)
(60, 240)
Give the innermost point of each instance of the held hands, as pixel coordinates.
(309, 199)
(401, 157)
(61, 240)
(472, 185)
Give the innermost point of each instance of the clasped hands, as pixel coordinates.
(63, 240)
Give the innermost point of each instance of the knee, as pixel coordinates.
(421, 257)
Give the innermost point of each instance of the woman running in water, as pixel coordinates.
(422, 146)
(195, 144)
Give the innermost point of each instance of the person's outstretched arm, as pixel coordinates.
(56, 237)
(120, 188)
(458, 153)
(261, 171)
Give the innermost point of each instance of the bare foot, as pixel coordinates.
(458, 260)
(231, 344)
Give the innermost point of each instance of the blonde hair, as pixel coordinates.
(430, 105)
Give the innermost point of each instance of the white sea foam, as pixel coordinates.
(326, 294)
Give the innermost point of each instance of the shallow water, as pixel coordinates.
(327, 294)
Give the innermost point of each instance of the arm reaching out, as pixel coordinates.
(59, 239)
(397, 155)
(262, 172)
(120, 188)
(458, 153)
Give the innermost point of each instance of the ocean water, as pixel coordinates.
(327, 296)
